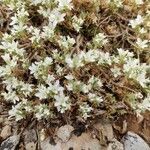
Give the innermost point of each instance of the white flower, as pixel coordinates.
(130, 64)
(91, 56)
(28, 108)
(139, 95)
(22, 13)
(18, 28)
(6, 58)
(7, 37)
(95, 98)
(115, 59)
(62, 4)
(141, 78)
(59, 69)
(50, 78)
(35, 2)
(142, 30)
(12, 47)
(8, 68)
(43, 2)
(139, 2)
(69, 77)
(70, 86)
(42, 92)
(42, 111)
(85, 110)
(14, 20)
(104, 58)
(18, 21)
(75, 62)
(100, 40)
(134, 70)
(85, 88)
(47, 61)
(77, 23)
(48, 32)
(142, 44)
(56, 88)
(69, 61)
(118, 3)
(5, 71)
(137, 21)
(116, 71)
(124, 55)
(11, 83)
(66, 42)
(17, 112)
(62, 102)
(145, 105)
(26, 88)
(95, 82)
(40, 69)
(76, 86)
(43, 11)
(78, 60)
(58, 57)
(36, 34)
(16, 5)
(56, 17)
(10, 96)
(33, 68)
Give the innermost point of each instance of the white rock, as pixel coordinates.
(83, 142)
(30, 136)
(132, 141)
(115, 145)
(46, 145)
(30, 139)
(30, 146)
(6, 132)
(10, 143)
(64, 132)
(105, 132)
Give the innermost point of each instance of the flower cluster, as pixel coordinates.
(85, 110)
(77, 23)
(55, 60)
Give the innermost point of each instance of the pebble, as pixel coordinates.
(6, 132)
(46, 145)
(64, 132)
(10, 143)
(115, 145)
(133, 141)
(30, 136)
(30, 139)
(105, 132)
(83, 142)
(30, 146)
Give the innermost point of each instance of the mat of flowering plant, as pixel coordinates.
(69, 61)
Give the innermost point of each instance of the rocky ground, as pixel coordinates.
(127, 133)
